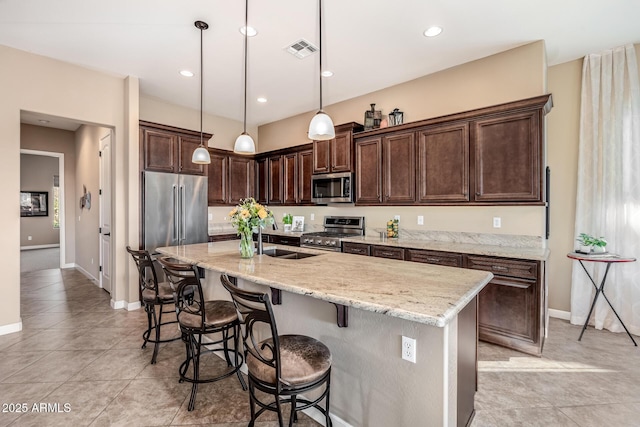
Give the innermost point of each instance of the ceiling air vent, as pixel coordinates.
(301, 49)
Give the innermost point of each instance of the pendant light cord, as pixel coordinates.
(320, 47)
(246, 34)
(201, 88)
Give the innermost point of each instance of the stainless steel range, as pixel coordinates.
(335, 229)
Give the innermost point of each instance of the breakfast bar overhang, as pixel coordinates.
(371, 384)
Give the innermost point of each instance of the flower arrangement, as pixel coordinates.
(246, 217)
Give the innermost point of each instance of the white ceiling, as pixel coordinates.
(368, 44)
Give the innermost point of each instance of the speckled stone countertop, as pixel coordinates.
(423, 293)
(530, 253)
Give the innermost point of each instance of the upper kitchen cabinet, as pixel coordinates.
(169, 149)
(443, 163)
(336, 155)
(305, 170)
(231, 177)
(283, 177)
(507, 157)
(262, 181)
(275, 171)
(489, 156)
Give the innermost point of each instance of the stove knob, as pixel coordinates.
(332, 243)
(319, 242)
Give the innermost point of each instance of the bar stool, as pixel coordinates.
(198, 317)
(280, 365)
(153, 294)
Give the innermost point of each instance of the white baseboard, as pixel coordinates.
(134, 306)
(11, 328)
(116, 305)
(32, 247)
(69, 265)
(559, 314)
(89, 276)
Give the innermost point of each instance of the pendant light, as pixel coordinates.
(244, 143)
(201, 154)
(321, 126)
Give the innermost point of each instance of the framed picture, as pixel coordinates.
(34, 203)
(298, 223)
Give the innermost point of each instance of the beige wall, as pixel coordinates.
(563, 133)
(57, 141)
(37, 174)
(42, 85)
(88, 220)
(225, 131)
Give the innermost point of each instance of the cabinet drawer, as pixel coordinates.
(356, 248)
(387, 252)
(433, 257)
(285, 240)
(504, 267)
(223, 237)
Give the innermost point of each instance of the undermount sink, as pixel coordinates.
(285, 254)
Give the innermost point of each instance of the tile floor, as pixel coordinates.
(74, 349)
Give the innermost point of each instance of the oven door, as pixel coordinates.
(332, 188)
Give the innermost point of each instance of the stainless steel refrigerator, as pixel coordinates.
(175, 210)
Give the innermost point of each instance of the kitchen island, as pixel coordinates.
(371, 384)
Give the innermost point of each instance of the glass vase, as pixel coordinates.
(246, 244)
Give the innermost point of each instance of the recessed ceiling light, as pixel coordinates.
(262, 99)
(44, 122)
(186, 73)
(432, 31)
(327, 73)
(251, 33)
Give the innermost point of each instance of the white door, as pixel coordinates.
(105, 212)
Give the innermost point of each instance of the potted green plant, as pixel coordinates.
(287, 220)
(589, 244)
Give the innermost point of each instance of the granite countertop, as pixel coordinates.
(530, 253)
(423, 293)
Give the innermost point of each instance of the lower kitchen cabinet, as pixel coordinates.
(511, 308)
(223, 237)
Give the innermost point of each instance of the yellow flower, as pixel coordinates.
(245, 213)
(233, 212)
(262, 213)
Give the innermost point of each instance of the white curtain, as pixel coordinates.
(608, 193)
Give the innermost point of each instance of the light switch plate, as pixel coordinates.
(497, 222)
(420, 220)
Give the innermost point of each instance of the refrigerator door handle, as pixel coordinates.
(175, 213)
(183, 214)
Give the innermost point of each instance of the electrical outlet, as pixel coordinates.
(409, 349)
(397, 217)
(210, 217)
(91, 261)
(29, 237)
(497, 222)
(313, 216)
(420, 220)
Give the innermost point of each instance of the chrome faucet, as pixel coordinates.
(259, 240)
(275, 225)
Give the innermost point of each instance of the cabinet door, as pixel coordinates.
(387, 252)
(241, 178)
(262, 181)
(217, 179)
(507, 157)
(305, 166)
(341, 159)
(186, 148)
(399, 160)
(290, 175)
(321, 156)
(433, 257)
(159, 151)
(369, 171)
(443, 163)
(356, 248)
(275, 171)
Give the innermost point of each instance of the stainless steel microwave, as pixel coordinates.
(332, 188)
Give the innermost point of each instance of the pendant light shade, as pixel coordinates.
(201, 154)
(244, 143)
(321, 126)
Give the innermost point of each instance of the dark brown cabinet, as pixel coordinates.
(507, 159)
(305, 170)
(336, 155)
(399, 168)
(262, 180)
(489, 156)
(443, 163)
(369, 171)
(230, 178)
(290, 181)
(276, 175)
(169, 149)
(511, 307)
